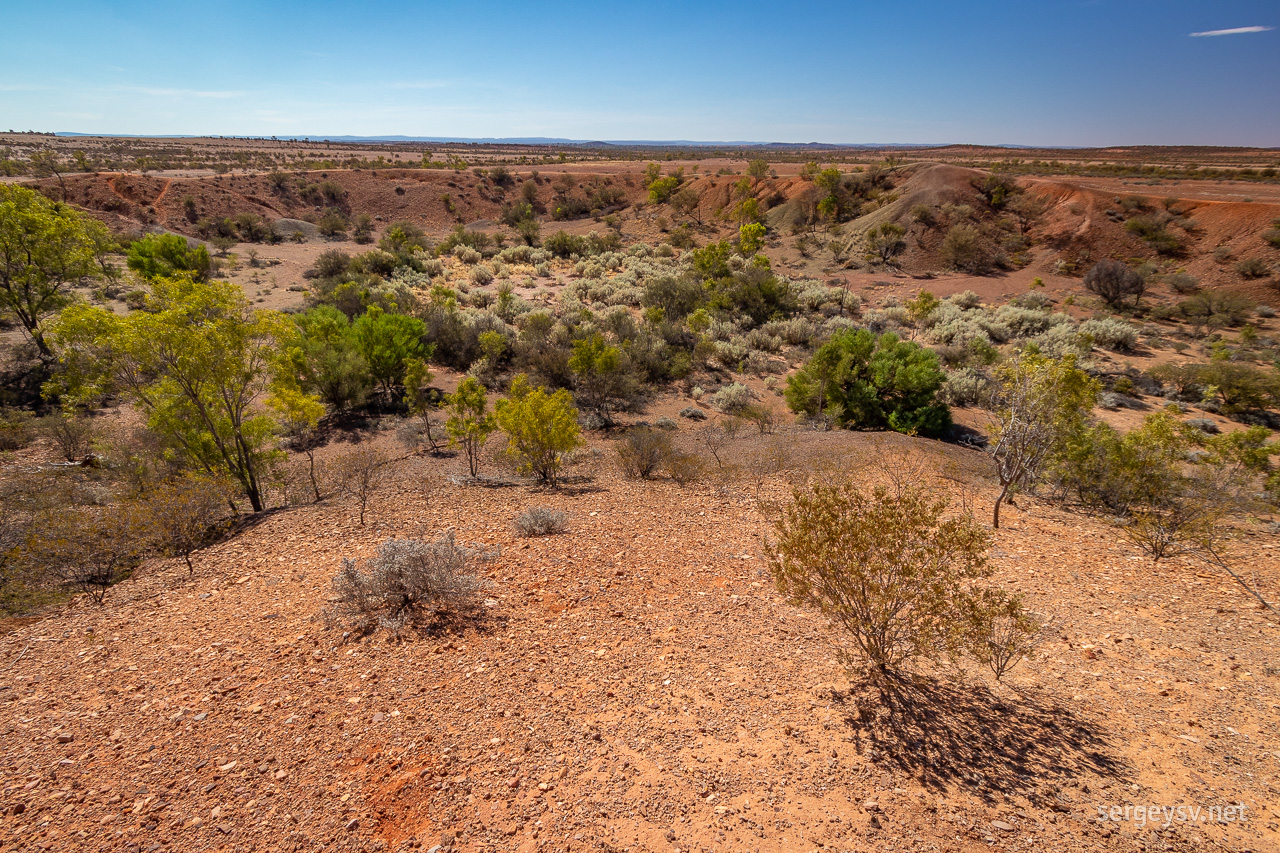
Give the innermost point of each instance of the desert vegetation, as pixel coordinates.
(704, 371)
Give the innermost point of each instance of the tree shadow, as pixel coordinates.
(944, 734)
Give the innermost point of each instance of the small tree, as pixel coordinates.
(299, 418)
(601, 380)
(884, 242)
(387, 342)
(541, 428)
(422, 400)
(361, 473)
(1039, 404)
(198, 364)
(889, 567)
(469, 425)
(1113, 281)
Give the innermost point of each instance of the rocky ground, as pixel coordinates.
(635, 684)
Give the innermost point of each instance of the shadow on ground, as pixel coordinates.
(944, 734)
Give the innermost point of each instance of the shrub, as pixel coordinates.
(732, 398)
(564, 245)
(164, 255)
(964, 387)
(684, 468)
(1253, 268)
(1183, 283)
(90, 548)
(360, 475)
(964, 248)
(73, 434)
(1110, 333)
(866, 381)
(540, 521)
(185, 513)
(405, 580)
(890, 569)
(1113, 280)
(1216, 308)
(541, 428)
(642, 451)
(15, 428)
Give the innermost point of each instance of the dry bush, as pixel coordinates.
(186, 513)
(88, 548)
(405, 581)
(540, 521)
(360, 474)
(642, 452)
(684, 468)
(73, 434)
(15, 428)
(891, 569)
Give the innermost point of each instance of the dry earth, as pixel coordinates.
(634, 684)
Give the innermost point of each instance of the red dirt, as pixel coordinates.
(633, 684)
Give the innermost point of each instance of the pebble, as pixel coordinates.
(1002, 826)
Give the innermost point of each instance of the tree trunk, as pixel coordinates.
(995, 515)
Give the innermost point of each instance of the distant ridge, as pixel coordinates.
(540, 140)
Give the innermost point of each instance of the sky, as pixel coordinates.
(1030, 72)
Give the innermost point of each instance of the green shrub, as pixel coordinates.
(165, 255)
(867, 381)
(564, 245)
(541, 428)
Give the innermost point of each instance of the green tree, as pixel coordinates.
(1040, 405)
(46, 249)
(663, 189)
(327, 360)
(387, 341)
(600, 378)
(469, 424)
(167, 255)
(199, 364)
(541, 428)
(758, 170)
(864, 381)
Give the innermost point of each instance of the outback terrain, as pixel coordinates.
(636, 682)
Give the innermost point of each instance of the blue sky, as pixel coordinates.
(1035, 72)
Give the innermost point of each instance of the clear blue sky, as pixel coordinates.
(1041, 72)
